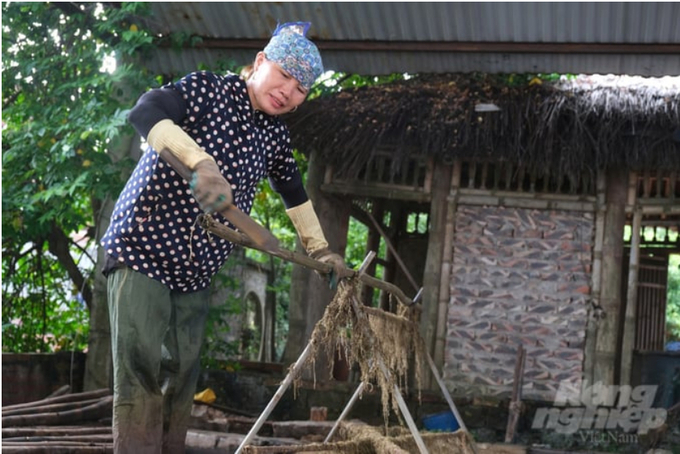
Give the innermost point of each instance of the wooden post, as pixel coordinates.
(516, 401)
(432, 277)
(605, 367)
(372, 244)
(628, 341)
(594, 316)
(446, 263)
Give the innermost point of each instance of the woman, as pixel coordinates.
(159, 262)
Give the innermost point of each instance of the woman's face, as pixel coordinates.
(272, 90)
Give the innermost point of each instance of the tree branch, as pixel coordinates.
(10, 100)
(59, 244)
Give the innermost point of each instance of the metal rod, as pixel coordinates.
(438, 379)
(275, 399)
(367, 261)
(346, 411)
(445, 391)
(405, 412)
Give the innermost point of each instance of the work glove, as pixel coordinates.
(210, 188)
(308, 227)
(340, 270)
(311, 235)
(166, 134)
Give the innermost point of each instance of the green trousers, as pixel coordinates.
(156, 339)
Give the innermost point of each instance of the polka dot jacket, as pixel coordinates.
(153, 228)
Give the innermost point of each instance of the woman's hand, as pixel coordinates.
(340, 270)
(210, 188)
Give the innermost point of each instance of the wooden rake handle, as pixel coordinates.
(231, 235)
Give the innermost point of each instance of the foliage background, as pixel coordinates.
(61, 114)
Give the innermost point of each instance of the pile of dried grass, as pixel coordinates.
(358, 438)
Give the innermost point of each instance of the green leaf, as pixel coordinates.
(64, 113)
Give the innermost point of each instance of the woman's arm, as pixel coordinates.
(156, 105)
(155, 117)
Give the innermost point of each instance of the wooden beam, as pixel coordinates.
(377, 191)
(450, 46)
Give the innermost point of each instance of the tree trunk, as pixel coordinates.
(98, 363)
(59, 245)
(268, 350)
(309, 293)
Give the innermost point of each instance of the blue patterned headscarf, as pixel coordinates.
(295, 53)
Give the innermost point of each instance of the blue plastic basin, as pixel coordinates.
(443, 422)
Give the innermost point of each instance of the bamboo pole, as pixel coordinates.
(628, 338)
(98, 410)
(93, 438)
(391, 247)
(443, 294)
(13, 432)
(52, 408)
(595, 310)
(604, 367)
(65, 398)
(56, 448)
(60, 392)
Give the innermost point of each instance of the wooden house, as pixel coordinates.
(522, 208)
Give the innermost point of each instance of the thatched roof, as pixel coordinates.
(575, 128)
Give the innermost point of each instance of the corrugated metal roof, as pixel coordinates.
(371, 37)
